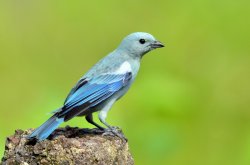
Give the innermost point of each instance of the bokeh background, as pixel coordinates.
(190, 101)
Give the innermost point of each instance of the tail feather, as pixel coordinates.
(46, 128)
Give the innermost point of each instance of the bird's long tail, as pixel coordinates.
(46, 128)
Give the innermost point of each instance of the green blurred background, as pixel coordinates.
(190, 101)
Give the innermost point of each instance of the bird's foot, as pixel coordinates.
(93, 131)
(114, 131)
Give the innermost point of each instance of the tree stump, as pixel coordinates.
(67, 146)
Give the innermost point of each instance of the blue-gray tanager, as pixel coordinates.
(105, 83)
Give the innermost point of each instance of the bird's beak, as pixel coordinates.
(156, 44)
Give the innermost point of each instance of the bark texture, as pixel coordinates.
(67, 146)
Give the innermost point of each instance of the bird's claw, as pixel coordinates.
(115, 128)
(114, 131)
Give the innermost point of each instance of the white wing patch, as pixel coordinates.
(124, 68)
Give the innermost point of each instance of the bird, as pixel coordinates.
(105, 83)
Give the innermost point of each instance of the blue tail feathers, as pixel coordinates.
(46, 128)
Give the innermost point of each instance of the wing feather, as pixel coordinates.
(93, 92)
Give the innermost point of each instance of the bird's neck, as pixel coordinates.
(125, 53)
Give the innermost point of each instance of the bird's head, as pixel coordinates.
(139, 43)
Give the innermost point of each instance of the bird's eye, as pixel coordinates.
(142, 41)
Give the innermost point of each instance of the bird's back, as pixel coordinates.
(112, 62)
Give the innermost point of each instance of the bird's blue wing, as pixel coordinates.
(80, 83)
(90, 93)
